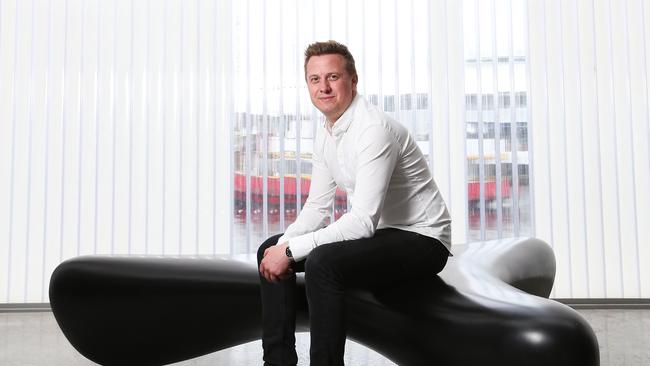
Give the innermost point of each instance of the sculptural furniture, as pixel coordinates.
(489, 306)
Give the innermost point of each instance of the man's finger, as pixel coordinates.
(269, 275)
(286, 275)
(265, 274)
(272, 278)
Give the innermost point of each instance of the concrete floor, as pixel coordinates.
(34, 339)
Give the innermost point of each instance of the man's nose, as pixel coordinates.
(325, 86)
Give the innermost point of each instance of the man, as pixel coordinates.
(398, 227)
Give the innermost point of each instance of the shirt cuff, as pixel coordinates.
(301, 246)
(282, 239)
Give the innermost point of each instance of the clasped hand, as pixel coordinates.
(275, 265)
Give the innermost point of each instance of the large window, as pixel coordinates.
(184, 127)
(495, 75)
(406, 61)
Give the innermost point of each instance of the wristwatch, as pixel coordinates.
(289, 254)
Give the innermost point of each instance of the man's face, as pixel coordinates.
(331, 88)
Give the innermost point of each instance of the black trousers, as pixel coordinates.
(388, 258)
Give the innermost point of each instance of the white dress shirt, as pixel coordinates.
(376, 161)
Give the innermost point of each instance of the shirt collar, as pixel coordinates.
(341, 125)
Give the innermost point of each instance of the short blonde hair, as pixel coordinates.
(328, 48)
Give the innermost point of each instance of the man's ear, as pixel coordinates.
(355, 80)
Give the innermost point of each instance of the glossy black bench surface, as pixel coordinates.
(489, 306)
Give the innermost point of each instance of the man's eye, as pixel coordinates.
(314, 80)
(334, 77)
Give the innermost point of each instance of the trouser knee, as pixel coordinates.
(321, 265)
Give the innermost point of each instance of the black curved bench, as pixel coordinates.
(487, 307)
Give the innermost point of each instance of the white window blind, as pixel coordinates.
(591, 136)
(410, 60)
(184, 127)
(112, 138)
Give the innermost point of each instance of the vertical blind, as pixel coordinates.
(496, 119)
(184, 127)
(395, 45)
(112, 138)
(589, 90)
